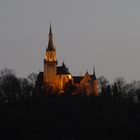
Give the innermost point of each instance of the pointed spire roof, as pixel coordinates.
(87, 73)
(62, 69)
(50, 42)
(94, 70)
(94, 74)
(63, 64)
(50, 32)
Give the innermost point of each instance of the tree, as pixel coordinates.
(103, 82)
(133, 90)
(9, 85)
(119, 82)
(6, 71)
(108, 90)
(32, 77)
(115, 90)
(26, 88)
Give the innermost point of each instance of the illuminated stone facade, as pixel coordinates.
(55, 77)
(87, 84)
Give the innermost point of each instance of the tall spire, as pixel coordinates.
(50, 32)
(50, 42)
(94, 70)
(94, 74)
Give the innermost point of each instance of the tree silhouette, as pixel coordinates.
(121, 88)
(103, 82)
(32, 77)
(26, 88)
(9, 85)
(115, 91)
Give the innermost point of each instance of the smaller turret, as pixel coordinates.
(94, 74)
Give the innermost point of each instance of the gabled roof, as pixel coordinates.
(62, 70)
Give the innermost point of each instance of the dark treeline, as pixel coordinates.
(15, 89)
(25, 114)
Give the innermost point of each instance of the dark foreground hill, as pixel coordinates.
(69, 118)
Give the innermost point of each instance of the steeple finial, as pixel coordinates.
(50, 32)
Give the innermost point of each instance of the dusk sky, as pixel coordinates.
(87, 33)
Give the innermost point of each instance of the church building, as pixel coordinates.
(54, 77)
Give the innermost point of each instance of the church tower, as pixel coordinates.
(50, 63)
